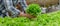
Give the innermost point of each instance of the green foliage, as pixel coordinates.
(33, 9)
(50, 19)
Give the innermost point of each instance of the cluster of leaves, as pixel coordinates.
(33, 9)
(8, 21)
(50, 19)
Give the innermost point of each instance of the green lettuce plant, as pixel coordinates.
(33, 9)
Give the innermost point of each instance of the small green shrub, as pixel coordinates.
(33, 9)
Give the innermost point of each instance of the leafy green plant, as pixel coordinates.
(50, 19)
(33, 9)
